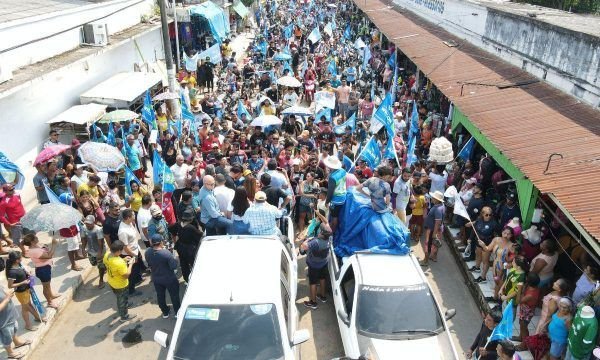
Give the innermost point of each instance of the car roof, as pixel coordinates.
(236, 270)
(388, 270)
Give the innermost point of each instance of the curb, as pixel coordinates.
(462, 265)
(37, 336)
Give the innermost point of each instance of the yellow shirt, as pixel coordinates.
(93, 191)
(162, 122)
(227, 51)
(136, 200)
(268, 110)
(419, 205)
(116, 267)
(190, 79)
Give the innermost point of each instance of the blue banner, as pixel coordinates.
(414, 120)
(504, 329)
(390, 150)
(241, 110)
(315, 35)
(371, 154)
(332, 68)
(467, 150)
(110, 138)
(411, 158)
(351, 122)
(213, 52)
(162, 174)
(129, 177)
(148, 115)
(52, 197)
(348, 33)
(392, 60)
(288, 31)
(9, 172)
(323, 112)
(385, 115)
(366, 57)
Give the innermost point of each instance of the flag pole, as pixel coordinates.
(362, 151)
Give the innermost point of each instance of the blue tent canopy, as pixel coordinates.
(214, 15)
(361, 228)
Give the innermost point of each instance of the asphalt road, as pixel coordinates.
(88, 327)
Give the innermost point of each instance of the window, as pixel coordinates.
(347, 287)
(285, 301)
(285, 268)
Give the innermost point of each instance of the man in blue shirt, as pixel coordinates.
(163, 265)
(336, 189)
(210, 214)
(433, 227)
(350, 73)
(317, 250)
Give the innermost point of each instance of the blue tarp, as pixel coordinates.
(214, 15)
(361, 228)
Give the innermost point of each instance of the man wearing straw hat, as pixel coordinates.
(433, 227)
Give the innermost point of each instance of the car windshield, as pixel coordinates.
(231, 332)
(396, 311)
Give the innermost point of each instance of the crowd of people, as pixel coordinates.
(230, 177)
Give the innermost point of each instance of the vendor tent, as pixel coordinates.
(241, 10)
(216, 18)
(80, 114)
(121, 90)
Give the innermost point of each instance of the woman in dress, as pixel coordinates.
(503, 248)
(41, 257)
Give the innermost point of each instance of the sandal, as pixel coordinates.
(16, 355)
(77, 268)
(33, 328)
(101, 286)
(27, 342)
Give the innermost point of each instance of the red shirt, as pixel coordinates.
(167, 209)
(69, 232)
(11, 209)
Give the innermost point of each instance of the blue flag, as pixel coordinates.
(9, 172)
(304, 68)
(411, 158)
(162, 174)
(340, 129)
(390, 150)
(392, 60)
(110, 138)
(366, 57)
(385, 115)
(52, 197)
(348, 33)
(414, 120)
(129, 177)
(504, 329)
(288, 30)
(263, 47)
(394, 83)
(323, 112)
(332, 68)
(372, 91)
(241, 110)
(347, 163)
(315, 35)
(286, 66)
(467, 150)
(371, 154)
(148, 115)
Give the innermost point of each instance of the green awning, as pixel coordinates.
(241, 9)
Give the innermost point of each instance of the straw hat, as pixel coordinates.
(437, 195)
(333, 162)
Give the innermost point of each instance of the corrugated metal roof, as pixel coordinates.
(526, 123)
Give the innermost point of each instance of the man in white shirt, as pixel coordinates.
(402, 189)
(223, 194)
(438, 178)
(143, 218)
(129, 235)
(181, 174)
(290, 98)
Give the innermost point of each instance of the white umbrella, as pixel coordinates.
(289, 81)
(101, 157)
(167, 95)
(297, 110)
(266, 120)
(51, 217)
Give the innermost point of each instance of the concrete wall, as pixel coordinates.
(61, 30)
(566, 59)
(25, 111)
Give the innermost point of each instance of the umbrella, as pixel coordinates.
(289, 81)
(281, 57)
(49, 153)
(297, 110)
(266, 120)
(101, 157)
(333, 6)
(51, 217)
(167, 95)
(118, 116)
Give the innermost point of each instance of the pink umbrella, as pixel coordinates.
(49, 153)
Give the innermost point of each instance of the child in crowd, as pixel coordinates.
(418, 214)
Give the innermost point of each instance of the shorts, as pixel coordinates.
(73, 243)
(94, 262)
(304, 208)
(526, 313)
(44, 273)
(316, 274)
(7, 333)
(24, 297)
(334, 210)
(416, 220)
(557, 350)
(16, 233)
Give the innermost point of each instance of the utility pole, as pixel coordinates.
(176, 36)
(173, 86)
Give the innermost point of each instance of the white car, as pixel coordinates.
(386, 309)
(240, 302)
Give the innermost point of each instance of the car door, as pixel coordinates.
(344, 296)
(293, 254)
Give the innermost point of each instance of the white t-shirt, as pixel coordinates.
(80, 180)
(224, 197)
(402, 191)
(290, 99)
(129, 235)
(438, 182)
(180, 173)
(143, 218)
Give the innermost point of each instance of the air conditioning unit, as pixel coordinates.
(5, 72)
(95, 34)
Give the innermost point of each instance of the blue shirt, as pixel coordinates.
(133, 157)
(255, 165)
(277, 179)
(318, 253)
(436, 213)
(163, 265)
(209, 207)
(338, 178)
(351, 73)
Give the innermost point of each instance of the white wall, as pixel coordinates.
(56, 27)
(25, 111)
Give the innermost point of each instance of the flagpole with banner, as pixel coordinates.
(504, 329)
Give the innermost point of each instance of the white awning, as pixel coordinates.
(121, 90)
(80, 114)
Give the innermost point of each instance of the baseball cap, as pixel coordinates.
(260, 196)
(155, 239)
(155, 210)
(90, 219)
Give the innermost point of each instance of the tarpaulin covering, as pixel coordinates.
(215, 16)
(241, 10)
(361, 228)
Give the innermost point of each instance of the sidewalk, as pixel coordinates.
(486, 289)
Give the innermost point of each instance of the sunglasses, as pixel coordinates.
(486, 214)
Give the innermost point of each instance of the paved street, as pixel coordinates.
(88, 327)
